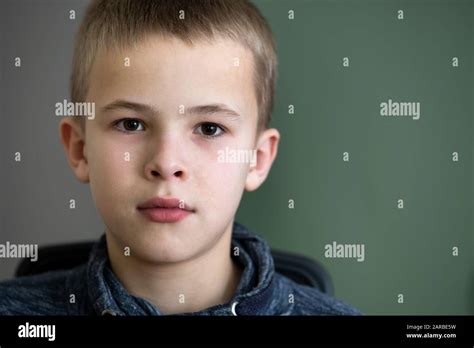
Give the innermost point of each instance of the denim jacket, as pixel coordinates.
(93, 289)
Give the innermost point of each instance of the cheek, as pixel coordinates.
(221, 186)
(110, 170)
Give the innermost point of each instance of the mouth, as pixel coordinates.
(161, 209)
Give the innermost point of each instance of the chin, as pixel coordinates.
(163, 248)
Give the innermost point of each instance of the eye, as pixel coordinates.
(129, 125)
(210, 130)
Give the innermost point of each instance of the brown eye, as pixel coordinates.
(210, 130)
(129, 125)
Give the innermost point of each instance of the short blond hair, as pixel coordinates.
(122, 23)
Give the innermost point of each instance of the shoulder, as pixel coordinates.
(42, 294)
(310, 301)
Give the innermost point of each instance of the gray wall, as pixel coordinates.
(37, 190)
(407, 251)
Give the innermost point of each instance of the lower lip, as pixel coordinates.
(165, 214)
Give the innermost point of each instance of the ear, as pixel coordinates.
(267, 148)
(73, 139)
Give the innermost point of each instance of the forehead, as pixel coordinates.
(167, 72)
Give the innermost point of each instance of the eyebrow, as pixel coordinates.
(209, 109)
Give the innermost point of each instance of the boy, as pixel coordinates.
(174, 85)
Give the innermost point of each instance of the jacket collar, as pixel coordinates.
(256, 293)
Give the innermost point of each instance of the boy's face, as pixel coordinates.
(163, 151)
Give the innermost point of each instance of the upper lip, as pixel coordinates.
(165, 202)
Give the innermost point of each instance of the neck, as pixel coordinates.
(187, 286)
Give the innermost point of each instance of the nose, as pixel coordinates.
(166, 160)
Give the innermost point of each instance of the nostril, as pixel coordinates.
(155, 173)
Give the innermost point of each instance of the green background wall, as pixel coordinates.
(408, 251)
